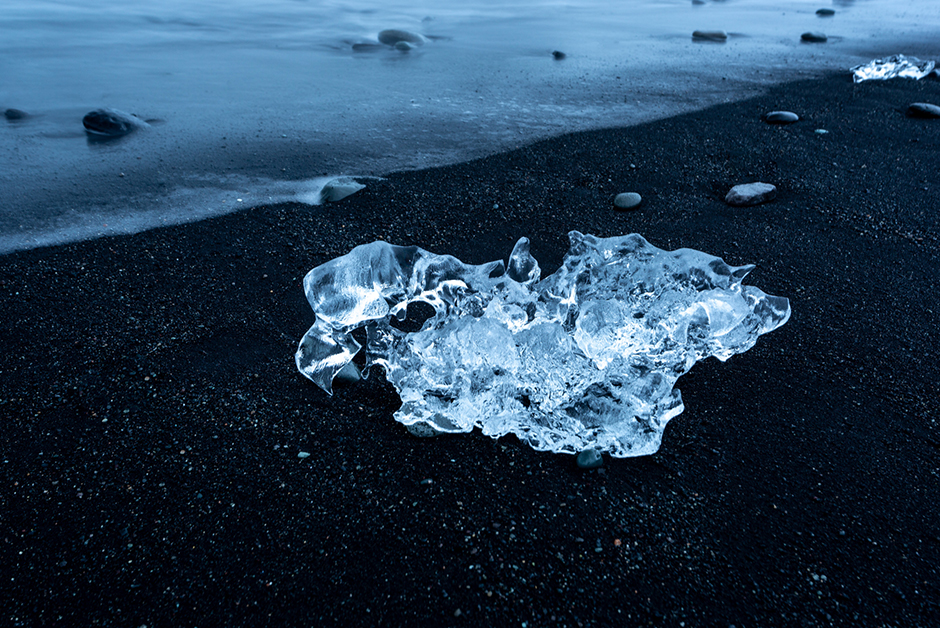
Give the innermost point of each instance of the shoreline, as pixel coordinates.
(155, 415)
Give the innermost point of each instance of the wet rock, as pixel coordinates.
(15, 114)
(367, 46)
(590, 459)
(825, 12)
(558, 54)
(780, 117)
(339, 188)
(923, 110)
(404, 46)
(392, 36)
(709, 35)
(111, 122)
(814, 38)
(748, 194)
(627, 200)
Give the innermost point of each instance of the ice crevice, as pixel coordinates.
(587, 357)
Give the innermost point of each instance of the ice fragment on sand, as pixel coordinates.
(891, 67)
(583, 359)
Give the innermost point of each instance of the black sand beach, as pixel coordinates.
(153, 416)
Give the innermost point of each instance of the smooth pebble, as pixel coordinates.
(780, 117)
(710, 35)
(747, 194)
(814, 38)
(923, 110)
(825, 12)
(111, 122)
(627, 200)
(15, 114)
(392, 36)
(558, 54)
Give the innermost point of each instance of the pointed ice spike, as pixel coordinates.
(522, 266)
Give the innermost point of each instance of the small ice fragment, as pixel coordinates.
(892, 67)
(303, 455)
(585, 359)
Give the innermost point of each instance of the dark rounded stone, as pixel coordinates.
(111, 122)
(15, 114)
(558, 54)
(923, 110)
(814, 38)
(392, 36)
(825, 12)
(709, 35)
(780, 117)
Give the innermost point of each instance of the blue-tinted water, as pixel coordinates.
(252, 100)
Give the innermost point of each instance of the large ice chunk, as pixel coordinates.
(585, 358)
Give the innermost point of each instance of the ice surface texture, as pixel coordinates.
(585, 358)
(895, 66)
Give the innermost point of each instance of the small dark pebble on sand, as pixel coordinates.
(709, 35)
(814, 38)
(825, 12)
(780, 117)
(111, 122)
(15, 114)
(923, 110)
(558, 54)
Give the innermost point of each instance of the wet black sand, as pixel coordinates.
(152, 415)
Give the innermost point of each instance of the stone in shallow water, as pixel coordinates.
(558, 54)
(825, 12)
(368, 46)
(748, 194)
(586, 358)
(923, 110)
(814, 38)
(710, 35)
(111, 122)
(392, 36)
(780, 117)
(15, 114)
(627, 200)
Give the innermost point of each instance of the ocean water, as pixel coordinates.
(261, 101)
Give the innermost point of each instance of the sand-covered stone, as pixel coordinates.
(748, 194)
